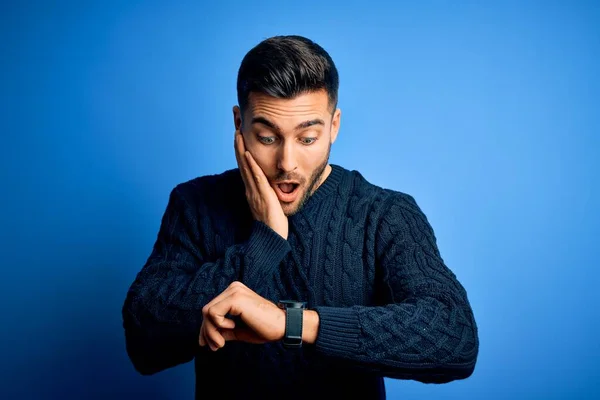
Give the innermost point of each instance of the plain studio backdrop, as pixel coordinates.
(487, 113)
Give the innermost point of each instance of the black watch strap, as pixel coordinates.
(294, 316)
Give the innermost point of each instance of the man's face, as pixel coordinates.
(290, 139)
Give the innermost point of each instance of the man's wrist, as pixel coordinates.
(310, 327)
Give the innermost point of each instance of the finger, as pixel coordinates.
(204, 341)
(201, 339)
(215, 316)
(213, 336)
(260, 179)
(245, 170)
(233, 287)
(226, 323)
(239, 149)
(219, 323)
(230, 334)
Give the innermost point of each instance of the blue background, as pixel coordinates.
(488, 114)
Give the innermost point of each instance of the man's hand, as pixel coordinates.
(261, 197)
(263, 320)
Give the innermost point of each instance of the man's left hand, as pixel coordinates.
(263, 320)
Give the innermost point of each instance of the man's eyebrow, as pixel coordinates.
(307, 124)
(266, 122)
(274, 127)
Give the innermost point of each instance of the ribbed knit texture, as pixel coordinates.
(365, 258)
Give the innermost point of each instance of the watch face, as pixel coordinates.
(292, 304)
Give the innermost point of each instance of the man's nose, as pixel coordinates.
(286, 159)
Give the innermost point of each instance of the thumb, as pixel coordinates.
(229, 334)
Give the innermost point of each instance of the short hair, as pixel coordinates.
(285, 67)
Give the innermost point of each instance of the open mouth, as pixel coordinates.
(287, 191)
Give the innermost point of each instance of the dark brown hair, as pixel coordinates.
(285, 67)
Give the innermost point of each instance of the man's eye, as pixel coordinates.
(266, 139)
(308, 141)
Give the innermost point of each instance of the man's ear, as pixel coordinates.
(237, 118)
(335, 124)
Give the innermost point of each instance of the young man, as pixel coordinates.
(288, 277)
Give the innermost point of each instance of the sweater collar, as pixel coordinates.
(327, 188)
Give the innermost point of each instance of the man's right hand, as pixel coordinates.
(261, 197)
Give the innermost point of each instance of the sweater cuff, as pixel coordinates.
(339, 331)
(265, 249)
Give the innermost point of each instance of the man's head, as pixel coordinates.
(287, 95)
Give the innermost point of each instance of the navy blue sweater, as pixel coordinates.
(363, 257)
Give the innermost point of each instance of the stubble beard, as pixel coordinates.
(314, 180)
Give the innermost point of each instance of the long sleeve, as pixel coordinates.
(424, 328)
(162, 310)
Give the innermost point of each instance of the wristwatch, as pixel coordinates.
(294, 315)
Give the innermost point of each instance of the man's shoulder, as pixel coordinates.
(210, 180)
(385, 197)
(212, 188)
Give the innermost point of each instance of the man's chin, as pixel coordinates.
(289, 209)
(295, 206)
(292, 207)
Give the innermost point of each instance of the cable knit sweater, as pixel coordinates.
(363, 257)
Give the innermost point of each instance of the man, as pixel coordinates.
(370, 294)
